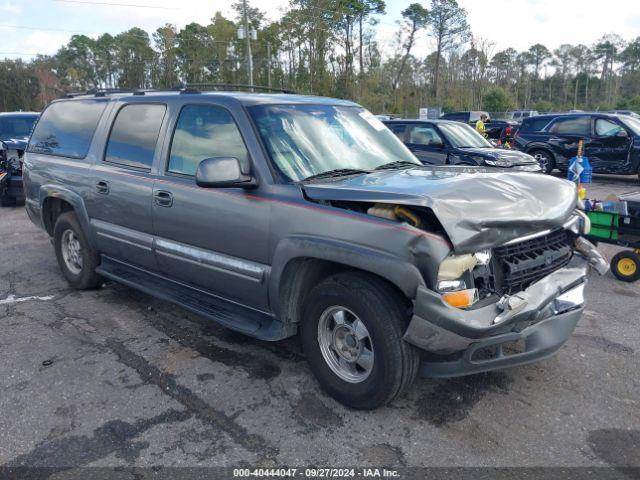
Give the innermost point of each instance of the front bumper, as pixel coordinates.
(12, 185)
(524, 328)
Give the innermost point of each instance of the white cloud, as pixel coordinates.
(522, 23)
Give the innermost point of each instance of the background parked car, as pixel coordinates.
(444, 142)
(519, 115)
(15, 129)
(611, 142)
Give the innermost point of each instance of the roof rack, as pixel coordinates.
(183, 88)
(102, 92)
(196, 87)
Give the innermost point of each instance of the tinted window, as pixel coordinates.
(575, 126)
(424, 135)
(534, 125)
(398, 129)
(18, 126)
(66, 128)
(607, 128)
(134, 135)
(203, 132)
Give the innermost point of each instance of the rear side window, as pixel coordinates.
(573, 126)
(534, 125)
(134, 135)
(66, 128)
(204, 131)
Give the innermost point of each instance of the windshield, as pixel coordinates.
(18, 126)
(306, 140)
(633, 123)
(463, 136)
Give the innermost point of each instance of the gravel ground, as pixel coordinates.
(113, 377)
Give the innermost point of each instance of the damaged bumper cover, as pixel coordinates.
(519, 329)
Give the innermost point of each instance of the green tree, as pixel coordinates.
(415, 18)
(448, 26)
(497, 99)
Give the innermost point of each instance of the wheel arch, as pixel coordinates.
(56, 200)
(301, 263)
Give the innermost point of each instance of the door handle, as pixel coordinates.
(163, 198)
(102, 187)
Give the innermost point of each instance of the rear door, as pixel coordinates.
(426, 143)
(212, 238)
(609, 148)
(564, 134)
(120, 203)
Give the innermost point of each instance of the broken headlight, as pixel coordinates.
(456, 281)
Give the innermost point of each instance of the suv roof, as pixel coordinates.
(245, 98)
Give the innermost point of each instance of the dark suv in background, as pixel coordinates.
(611, 142)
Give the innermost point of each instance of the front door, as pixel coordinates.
(212, 238)
(609, 148)
(425, 142)
(119, 206)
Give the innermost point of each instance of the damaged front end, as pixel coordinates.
(509, 291)
(10, 171)
(528, 300)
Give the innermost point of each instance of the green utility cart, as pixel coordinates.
(622, 230)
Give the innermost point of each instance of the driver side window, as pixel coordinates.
(424, 135)
(205, 131)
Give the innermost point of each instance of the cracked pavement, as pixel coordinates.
(113, 377)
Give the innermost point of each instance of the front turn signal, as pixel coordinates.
(462, 298)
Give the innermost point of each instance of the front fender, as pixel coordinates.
(404, 275)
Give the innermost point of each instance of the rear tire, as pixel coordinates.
(545, 159)
(625, 266)
(375, 364)
(76, 258)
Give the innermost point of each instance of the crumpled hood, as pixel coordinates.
(514, 156)
(477, 210)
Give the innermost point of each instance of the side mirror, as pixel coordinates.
(622, 134)
(222, 172)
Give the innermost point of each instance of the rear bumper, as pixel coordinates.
(526, 327)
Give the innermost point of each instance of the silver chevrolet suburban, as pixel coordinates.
(276, 215)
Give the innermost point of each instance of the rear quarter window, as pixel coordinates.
(66, 128)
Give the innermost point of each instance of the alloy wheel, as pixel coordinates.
(72, 252)
(345, 344)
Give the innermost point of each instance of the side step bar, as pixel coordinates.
(229, 314)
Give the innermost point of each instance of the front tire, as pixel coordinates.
(545, 159)
(351, 333)
(76, 258)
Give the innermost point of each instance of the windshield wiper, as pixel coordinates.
(397, 164)
(338, 172)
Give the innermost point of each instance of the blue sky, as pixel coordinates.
(47, 24)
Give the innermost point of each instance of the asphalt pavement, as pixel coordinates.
(113, 377)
